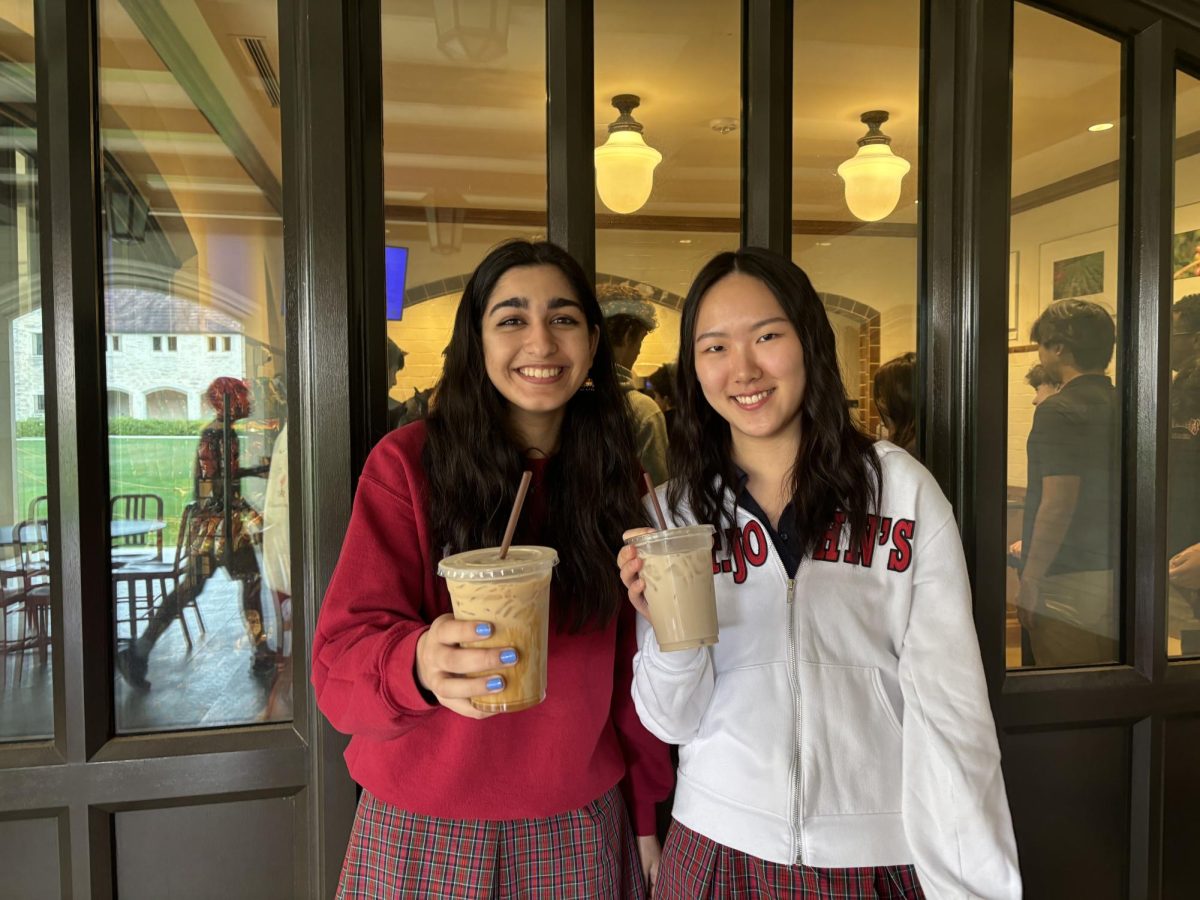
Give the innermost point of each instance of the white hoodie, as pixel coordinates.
(842, 719)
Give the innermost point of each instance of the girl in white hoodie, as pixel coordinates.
(837, 741)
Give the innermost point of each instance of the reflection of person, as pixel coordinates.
(660, 387)
(1185, 332)
(840, 580)
(628, 318)
(1183, 512)
(395, 365)
(1066, 601)
(512, 797)
(1043, 386)
(895, 398)
(208, 545)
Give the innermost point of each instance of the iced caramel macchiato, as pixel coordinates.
(680, 596)
(513, 594)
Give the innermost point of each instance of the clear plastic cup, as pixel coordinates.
(513, 594)
(677, 570)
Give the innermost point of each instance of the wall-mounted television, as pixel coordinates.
(395, 264)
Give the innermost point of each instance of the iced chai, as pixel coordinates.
(677, 570)
(513, 594)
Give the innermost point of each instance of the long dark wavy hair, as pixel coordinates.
(836, 468)
(474, 464)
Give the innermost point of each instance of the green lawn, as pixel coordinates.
(138, 465)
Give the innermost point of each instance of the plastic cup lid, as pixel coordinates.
(651, 537)
(486, 565)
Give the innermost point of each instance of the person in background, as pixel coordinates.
(458, 802)
(1183, 472)
(628, 318)
(1041, 383)
(1068, 536)
(660, 387)
(895, 398)
(395, 365)
(210, 548)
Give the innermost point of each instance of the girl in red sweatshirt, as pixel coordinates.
(458, 802)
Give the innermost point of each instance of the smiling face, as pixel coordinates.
(749, 360)
(537, 345)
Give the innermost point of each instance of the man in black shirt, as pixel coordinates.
(1069, 534)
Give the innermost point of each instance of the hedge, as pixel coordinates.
(126, 425)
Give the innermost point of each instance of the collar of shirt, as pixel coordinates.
(783, 535)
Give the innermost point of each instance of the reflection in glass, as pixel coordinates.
(464, 137)
(1183, 447)
(26, 688)
(682, 62)
(193, 276)
(1064, 412)
(865, 271)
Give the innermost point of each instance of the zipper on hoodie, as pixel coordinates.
(797, 787)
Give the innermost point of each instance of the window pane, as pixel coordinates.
(657, 226)
(1064, 294)
(859, 246)
(464, 137)
(1183, 448)
(26, 689)
(193, 247)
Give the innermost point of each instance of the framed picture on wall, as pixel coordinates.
(1185, 251)
(1082, 267)
(1014, 291)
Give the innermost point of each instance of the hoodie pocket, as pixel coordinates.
(850, 742)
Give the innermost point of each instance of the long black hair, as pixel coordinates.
(474, 465)
(836, 469)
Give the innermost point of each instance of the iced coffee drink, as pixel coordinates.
(677, 571)
(513, 594)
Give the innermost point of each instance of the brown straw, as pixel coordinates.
(658, 513)
(516, 513)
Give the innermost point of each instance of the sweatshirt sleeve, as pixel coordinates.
(955, 809)
(648, 772)
(670, 690)
(651, 437)
(364, 648)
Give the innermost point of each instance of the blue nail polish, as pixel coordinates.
(508, 656)
(483, 629)
(495, 683)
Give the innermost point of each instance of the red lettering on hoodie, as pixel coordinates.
(754, 544)
(901, 556)
(827, 546)
(864, 552)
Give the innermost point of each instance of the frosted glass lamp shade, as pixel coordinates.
(625, 171)
(873, 176)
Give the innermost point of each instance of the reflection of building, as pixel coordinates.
(162, 352)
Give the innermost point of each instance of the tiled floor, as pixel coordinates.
(209, 687)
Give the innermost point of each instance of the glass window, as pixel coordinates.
(193, 246)
(1183, 448)
(854, 224)
(1063, 507)
(464, 135)
(674, 68)
(26, 687)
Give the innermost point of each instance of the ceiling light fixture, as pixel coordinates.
(1100, 126)
(624, 163)
(874, 173)
(472, 30)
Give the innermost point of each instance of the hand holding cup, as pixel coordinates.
(631, 567)
(449, 668)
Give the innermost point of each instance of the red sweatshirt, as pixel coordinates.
(555, 757)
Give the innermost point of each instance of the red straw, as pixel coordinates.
(516, 513)
(658, 513)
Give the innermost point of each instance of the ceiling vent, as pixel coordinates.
(255, 49)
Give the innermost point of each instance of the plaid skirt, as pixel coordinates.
(696, 868)
(589, 853)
